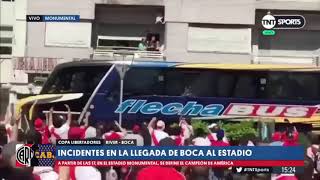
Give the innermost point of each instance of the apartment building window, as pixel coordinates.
(6, 28)
(63, 34)
(117, 42)
(5, 40)
(225, 40)
(303, 40)
(6, 33)
(5, 50)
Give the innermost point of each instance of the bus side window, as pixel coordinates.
(306, 86)
(275, 87)
(174, 83)
(246, 86)
(140, 81)
(204, 84)
(225, 84)
(280, 86)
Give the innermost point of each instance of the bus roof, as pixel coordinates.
(166, 64)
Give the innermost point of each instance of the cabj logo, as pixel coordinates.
(283, 21)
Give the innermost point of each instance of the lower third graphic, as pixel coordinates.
(24, 154)
(34, 155)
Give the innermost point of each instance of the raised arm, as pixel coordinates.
(152, 123)
(50, 117)
(64, 173)
(182, 121)
(86, 119)
(124, 131)
(7, 117)
(69, 116)
(16, 121)
(27, 123)
(31, 109)
(19, 122)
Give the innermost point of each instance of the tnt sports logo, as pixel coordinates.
(283, 21)
(268, 21)
(24, 155)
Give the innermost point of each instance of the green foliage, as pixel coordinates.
(304, 141)
(198, 124)
(174, 125)
(234, 131)
(237, 131)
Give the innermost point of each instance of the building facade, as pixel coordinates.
(201, 31)
(190, 31)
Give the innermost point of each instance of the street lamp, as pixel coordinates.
(122, 67)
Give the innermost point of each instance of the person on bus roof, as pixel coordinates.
(156, 129)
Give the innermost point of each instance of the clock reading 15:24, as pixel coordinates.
(288, 170)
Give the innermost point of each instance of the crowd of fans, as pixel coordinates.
(155, 133)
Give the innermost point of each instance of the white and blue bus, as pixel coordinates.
(169, 90)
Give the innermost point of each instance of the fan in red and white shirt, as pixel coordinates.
(114, 132)
(291, 137)
(90, 130)
(157, 133)
(187, 129)
(79, 132)
(219, 141)
(57, 128)
(176, 133)
(212, 136)
(40, 126)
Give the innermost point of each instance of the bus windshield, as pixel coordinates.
(83, 79)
